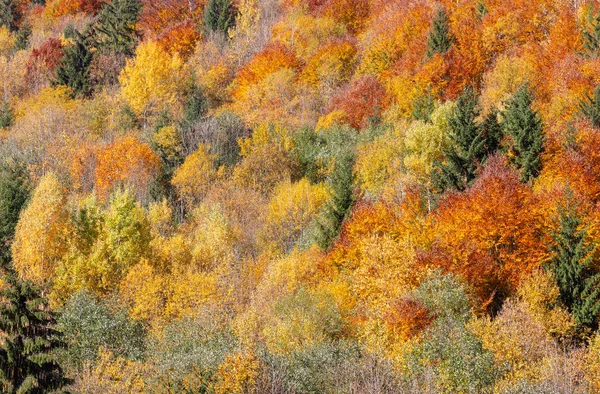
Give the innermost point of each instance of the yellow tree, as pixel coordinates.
(42, 232)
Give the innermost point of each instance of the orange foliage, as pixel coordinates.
(180, 38)
(364, 98)
(125, 162)
(159, 16)
(71, 7)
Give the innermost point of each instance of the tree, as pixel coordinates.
(219, 16)
(23, 36)
(590, 34)
(6, 116)
(571, 264)
(74, 68)
(590, 107)
(27, 364)
(440, 39)
(115, 27)
(8, 14)
(14, 191)
(525, 127)
(470, 143)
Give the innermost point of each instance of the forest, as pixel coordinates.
(300, 196)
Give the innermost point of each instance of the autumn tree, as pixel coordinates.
(74, 68)
(115, 28)
(219, 15)
(571, 264)
(524, 125)
(27, 360)
(14, 191)
(440, 38)
(470, 143)
(590, 107)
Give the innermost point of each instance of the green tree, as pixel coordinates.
(27, 363)
(6, 116)
(219, 16)
(525, 127)
(590, 33)
(23, 36)
(590, 107)
(14, 192)
(8, 14)
(571, 265)
(470, 145)
(74, 68)
(115, 27)
(440, 38)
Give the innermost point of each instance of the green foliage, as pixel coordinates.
(590, 107)
(27, 363)
(571, 264)
(115, 28)
(440, 38)
(14, 192)
(74, 68)
(8, 14)
(6, 116)
(219, 16)
(470, 145)
(448, 351)
(22, 37)
(481, 9)
(423, 107)
(525, 127)
(88, 325)
(590, 34)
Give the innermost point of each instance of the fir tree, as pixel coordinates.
(590, 34)
(525, 127)
(440, 39)
(423, 107)
(481, 9)
(6, 116)
(23, 36)
(115, 29)
(328, 227)
(219, 16)
(74, 68)
(27, 364)
(14, 192)
(590, 107)
(492, 132)
(8, 14)
(571, 265)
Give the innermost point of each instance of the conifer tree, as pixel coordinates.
(6, 116)
(14, 192)
(8, 14)
(115, 28)
(590, 34)
(525, 127)
(590, 107)
(440, 39)
(74, 68)
(219, 16)
(571, 264)
(23, 36)
(27, 363)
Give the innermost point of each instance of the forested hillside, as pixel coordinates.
(300, 196)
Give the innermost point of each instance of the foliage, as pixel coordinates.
(14, 192)
(590, 107)
(219, 15)
(73, 70)
(440, 39)
(115, 28)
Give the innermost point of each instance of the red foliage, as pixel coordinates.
(159, 16)
(365, 97)
(408, 317)
(43, 61)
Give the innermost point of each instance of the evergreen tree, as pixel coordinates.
(14, 192)
(423, 107)
(115, 29)
(481, 9)
(571, 264)
(23, 36)
(74, 68)
(328, 227)
(590, 34)
(440, 39)
(590, 107)
(525, 127)
(471, 143)
(6, 116)
(27, 364)
(8, 14)
(219, 16)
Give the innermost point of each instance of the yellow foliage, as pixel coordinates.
(168, 141)
(144, 291)
(42, 233)
(112, 375)
(189, 292)
(504, 79)
(7, 41)
(592, 364)
(152, 81)
(237, 374)
(335, 117)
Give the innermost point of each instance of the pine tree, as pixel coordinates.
(590, 34)
(590, 107)
(440, 39)
(571, 264)
(8, 14)
(14, 192)
(74, 68)
(328, 226)
(219, 16)
(471, 143)
(27, 364)
(525, 127)
(115, 27)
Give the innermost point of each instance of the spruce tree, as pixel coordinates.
(440, 39)
(6, 116)
(423, 107)
(27, 363)
(115, 27)
(219, 16)
(14, 192)
(74, 68)
(590, 34)
(23, 36)
(8, 14)
(525, 127)
(571, 265)
(590, 107)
